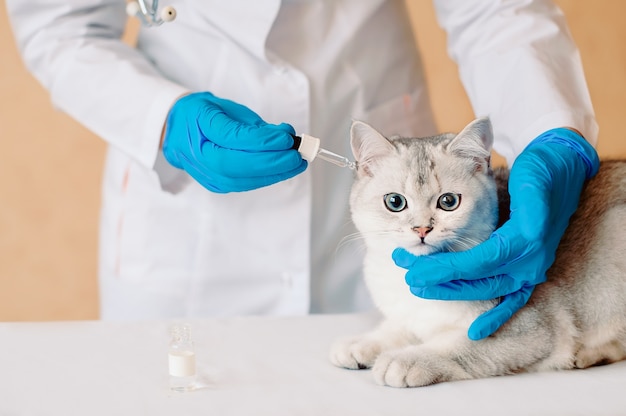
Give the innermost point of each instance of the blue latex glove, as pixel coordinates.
(545, 184)
(227, 147)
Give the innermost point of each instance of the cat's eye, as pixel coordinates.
(395, 202)
(449, 201)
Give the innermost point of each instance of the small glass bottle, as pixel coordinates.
(182, 359)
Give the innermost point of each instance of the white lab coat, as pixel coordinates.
(168, 247)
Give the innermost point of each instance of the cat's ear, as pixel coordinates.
(368, 145)
(474, 141)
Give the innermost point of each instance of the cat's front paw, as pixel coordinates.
(356, 353)
(414, 367)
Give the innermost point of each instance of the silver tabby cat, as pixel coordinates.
(439, 194)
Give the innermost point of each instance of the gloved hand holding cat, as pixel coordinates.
(545, 184)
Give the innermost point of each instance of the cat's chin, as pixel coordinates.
(421, 249)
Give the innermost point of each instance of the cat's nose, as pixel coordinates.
(422, 231)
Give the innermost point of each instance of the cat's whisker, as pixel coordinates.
(462, 242)
(350, 238)
(362, 236)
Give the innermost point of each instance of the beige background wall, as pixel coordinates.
(50, 166)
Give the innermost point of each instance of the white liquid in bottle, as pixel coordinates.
(182, 359)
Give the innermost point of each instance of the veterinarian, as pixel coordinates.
(206, 209)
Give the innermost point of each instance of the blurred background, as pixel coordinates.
(50, 166)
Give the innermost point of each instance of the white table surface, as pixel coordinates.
(258, 366)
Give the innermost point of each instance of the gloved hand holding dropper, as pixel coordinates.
(227, 147)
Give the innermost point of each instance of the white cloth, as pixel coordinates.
(258, 366)
(170, 248)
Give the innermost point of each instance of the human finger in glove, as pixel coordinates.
(227, 147)
(545, 184)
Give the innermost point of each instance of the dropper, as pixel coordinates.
(309, 148)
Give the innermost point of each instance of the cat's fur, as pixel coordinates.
(574, 320)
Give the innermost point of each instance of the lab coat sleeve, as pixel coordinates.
(519, 66)
(74, 49)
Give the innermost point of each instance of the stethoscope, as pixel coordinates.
(150, 16)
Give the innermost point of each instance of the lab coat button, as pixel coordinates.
(280, 69)
(286, 279)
